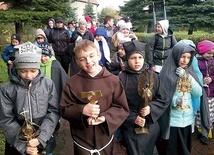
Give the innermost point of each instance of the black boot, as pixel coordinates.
(203, 140)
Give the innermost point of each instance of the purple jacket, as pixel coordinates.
(207, 69)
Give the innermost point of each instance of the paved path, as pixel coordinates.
(65, 145)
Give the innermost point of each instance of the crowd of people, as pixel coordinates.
(106, 84)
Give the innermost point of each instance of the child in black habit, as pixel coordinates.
(155, 103)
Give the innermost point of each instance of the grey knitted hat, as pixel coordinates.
(27, 55)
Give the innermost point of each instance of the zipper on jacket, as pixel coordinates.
(29, 102)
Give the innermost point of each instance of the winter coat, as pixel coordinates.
(59, 39)
(184, 118)
(8, 53)
(87, 35)
(207, 67)
(159, 48)
(38, 98)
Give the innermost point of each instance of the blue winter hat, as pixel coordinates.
(46, 48)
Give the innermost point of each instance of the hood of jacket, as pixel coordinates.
(40, 32)
(100, 31)
(54, 23)
(165, 26)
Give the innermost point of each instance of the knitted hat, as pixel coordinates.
(82, 21)
(205, 46)
(46, 48)
(27, 55)
(16, 36)
(124, 26)
(134, 46)
(59, 20)
(88, 18)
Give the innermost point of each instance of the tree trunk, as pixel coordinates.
(190, 31)
(19, 28)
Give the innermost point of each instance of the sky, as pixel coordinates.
(110, 3)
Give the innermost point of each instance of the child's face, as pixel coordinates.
(136, 61)
(50, 23)
(28, 74)
(44, 58)
(70, 26)
(184, 60)
(159, 29)
(89, 60)
(208, 55)
(14, 42)
(40, 39)
(98, 38)
(121, 51)
(125, 31)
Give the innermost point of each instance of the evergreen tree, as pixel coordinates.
(182, 14)
(33, 12)
(88, 10)
(191, 14)
(72, 16)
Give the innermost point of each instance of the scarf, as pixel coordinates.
(105, 48)
(46, 67)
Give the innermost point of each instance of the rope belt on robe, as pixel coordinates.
(95, 150)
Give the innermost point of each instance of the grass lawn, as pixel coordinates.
(3, 79)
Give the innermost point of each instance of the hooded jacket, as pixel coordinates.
(48, 30)
(39, 99)
(161, 45)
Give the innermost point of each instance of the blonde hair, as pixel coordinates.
(84, 45)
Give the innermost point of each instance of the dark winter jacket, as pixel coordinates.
(87, 35)
(59, 38)
(159, 48)
(8, 53)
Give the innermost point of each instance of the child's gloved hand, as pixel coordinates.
(180, 71)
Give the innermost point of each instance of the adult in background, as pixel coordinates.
(59, 39)
(82, 32)
(90, 24)
(50, 26)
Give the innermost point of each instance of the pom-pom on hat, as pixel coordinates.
(205, 46)
(134, 46)
(27, 55)
(46, 48)
(16, 36)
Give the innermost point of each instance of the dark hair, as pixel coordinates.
(107, 18)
